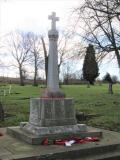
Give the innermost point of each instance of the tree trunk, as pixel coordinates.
(114, 43)
(110, 89)
(21, 77)
(46, 58)
(118, 58)
(92, 83)
(58, 70)
(1, 112)
(35, 76)
(35, 82)
(88, 84)
(46, 68)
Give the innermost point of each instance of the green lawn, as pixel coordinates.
(94, 100)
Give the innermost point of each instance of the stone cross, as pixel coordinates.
(53, 89)
(53, 81)
(54, 19)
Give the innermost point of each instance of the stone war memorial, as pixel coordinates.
(53, 114)
(52, 119)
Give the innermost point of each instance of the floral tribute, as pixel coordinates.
(71, 140)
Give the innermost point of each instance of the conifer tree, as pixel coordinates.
(90, 66)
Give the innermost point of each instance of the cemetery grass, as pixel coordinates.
(101, 108)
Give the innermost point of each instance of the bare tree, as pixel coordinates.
(24, 73)
(36, 56)
(68, 49)
(19, 47)
(101, 19)
(64, 48)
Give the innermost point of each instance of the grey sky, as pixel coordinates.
(32, 15)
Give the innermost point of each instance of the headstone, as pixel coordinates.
(9, 91)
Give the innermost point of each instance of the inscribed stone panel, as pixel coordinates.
(34, 110)
(69, 109)
(59, 109)
(48, 105)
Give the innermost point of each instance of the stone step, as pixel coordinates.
(104, 156)
(114, 156)
(101, 153)
(63, 133)
(108, 148)
(108, 152)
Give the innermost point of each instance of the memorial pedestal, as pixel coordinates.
(45, 112)
(53, 118)
(49, 116)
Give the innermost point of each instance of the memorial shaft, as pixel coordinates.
(53, 78)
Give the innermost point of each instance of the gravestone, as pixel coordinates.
(52, 115)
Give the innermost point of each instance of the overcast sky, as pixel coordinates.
(32, 15)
